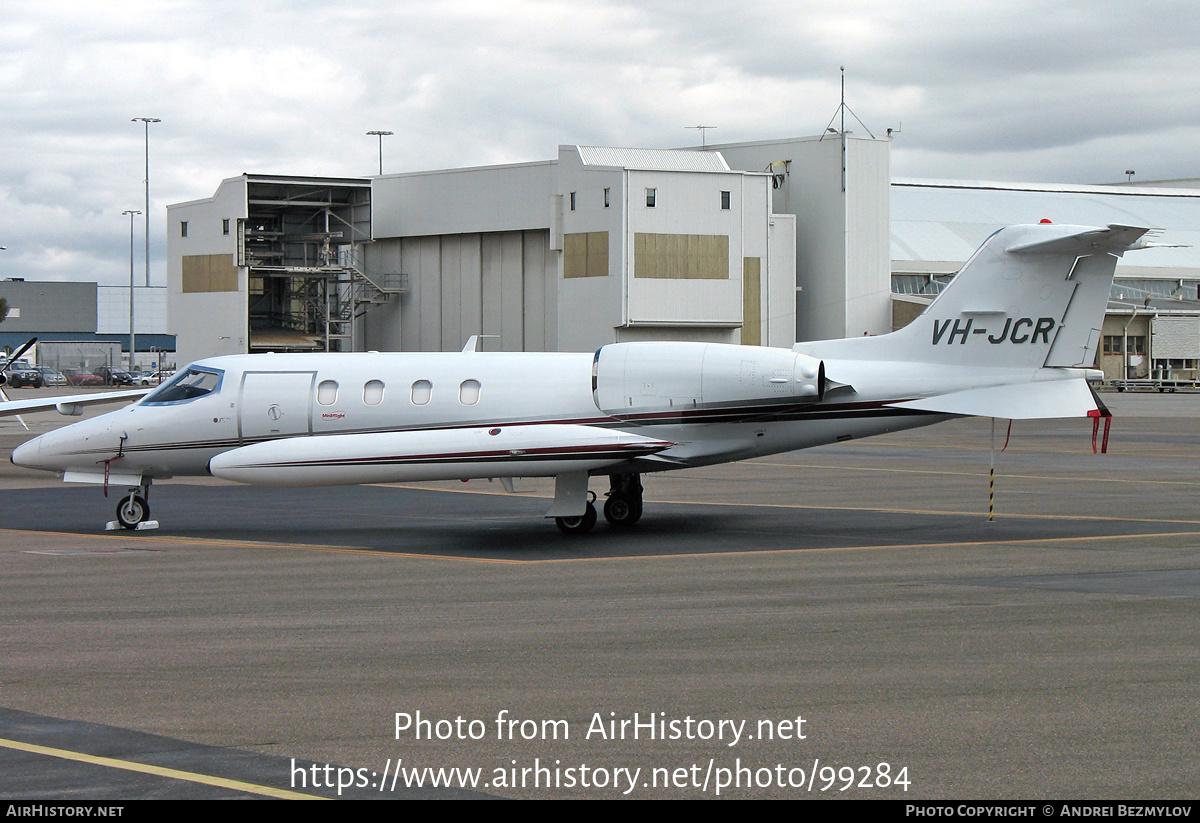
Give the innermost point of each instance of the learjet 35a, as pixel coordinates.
(1013, 336)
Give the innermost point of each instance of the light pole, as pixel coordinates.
(380, 135)
(132, 336)
(147, 121)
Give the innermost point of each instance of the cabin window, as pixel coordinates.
(183, 228)
(607, 199)
(651, 198)
(422, 390)
(468, 392)
(225, 225)
(725, 200)
(373, 392)
(327, 392)
(572, 201)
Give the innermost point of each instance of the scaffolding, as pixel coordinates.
(301, 243)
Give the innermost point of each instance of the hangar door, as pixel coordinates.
(274, 404)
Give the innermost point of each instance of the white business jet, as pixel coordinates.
(1013, 336)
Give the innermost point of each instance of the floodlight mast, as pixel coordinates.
(147, 121)
(132, 335)
(380, 135)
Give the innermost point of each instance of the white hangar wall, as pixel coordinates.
(570, 254)
(208, 316)
(498, 283)
(841, 251)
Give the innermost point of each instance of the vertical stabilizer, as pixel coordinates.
(1031, 296)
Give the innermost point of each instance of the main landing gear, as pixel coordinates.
(622, 509)
(582, 524)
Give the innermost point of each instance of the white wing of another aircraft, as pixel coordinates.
(71, 405)
(1014, 335)
(68, 405)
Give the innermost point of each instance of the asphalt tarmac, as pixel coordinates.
(840, 622)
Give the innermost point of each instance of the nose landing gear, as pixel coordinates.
(133, 512)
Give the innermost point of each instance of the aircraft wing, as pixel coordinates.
(1027, 401)
(71, 405)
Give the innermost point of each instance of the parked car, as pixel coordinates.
(150, 378)
(75, 377)
(52, 377)
(113, 377)
(19, 373)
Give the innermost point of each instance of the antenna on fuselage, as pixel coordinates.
(472, 343)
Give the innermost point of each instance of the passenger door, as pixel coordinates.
(275, 404)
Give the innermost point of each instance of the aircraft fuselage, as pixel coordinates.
(701, 403)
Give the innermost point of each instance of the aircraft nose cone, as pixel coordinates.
(28, 454)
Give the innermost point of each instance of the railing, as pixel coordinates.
(384, 283)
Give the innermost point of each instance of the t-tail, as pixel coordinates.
(1013, 335)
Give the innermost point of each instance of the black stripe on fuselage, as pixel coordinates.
(498, 456)
(740, 413)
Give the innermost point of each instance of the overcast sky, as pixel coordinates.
(1013, 91)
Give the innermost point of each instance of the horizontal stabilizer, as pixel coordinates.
(1051, 398)
(1082, 240)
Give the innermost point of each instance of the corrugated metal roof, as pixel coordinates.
(947, 220)
(653, 159)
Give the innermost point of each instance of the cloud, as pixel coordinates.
(1014, 90)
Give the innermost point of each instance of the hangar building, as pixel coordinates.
(83, 324)
(764, 242)
(1152, 325)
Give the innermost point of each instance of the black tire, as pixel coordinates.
(132, 510)
(622, 511)
(577, 525)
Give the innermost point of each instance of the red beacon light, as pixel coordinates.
(1045, 220)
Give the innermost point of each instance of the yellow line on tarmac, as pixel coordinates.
(975, 474)
(733, 504)
(926, 511)
(249, 544)
(201, 541)
(948, 545)
(159, 771)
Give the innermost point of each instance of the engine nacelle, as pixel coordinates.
(690, 379)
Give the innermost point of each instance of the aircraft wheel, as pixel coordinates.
(622, 511)
(132, 510)
(577, 525)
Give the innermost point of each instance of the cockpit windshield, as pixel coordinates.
(189, 384)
